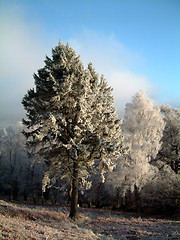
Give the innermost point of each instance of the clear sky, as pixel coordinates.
(134, 43)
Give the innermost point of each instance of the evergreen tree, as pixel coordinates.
(70, 119)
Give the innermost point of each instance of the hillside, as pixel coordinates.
(26, 221)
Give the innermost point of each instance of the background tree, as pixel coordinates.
(71, 121)
(162, 191)
(13, 160)
(11, 165)
(170, 149)
(143, 129)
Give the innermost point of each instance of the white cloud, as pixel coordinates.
(114, 60)
(125, 85)
(23, 47)
(106, 52)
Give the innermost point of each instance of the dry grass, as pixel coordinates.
(18, 221)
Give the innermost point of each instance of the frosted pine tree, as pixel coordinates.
(106, 122)
(63, 119)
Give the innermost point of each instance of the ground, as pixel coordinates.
(35, 222)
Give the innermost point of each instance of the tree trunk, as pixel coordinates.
(69, 194)
(74, 197)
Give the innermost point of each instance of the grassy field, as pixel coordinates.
(27, 221)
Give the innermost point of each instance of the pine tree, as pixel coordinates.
(70, 118)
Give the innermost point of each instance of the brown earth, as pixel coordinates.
(35, 222)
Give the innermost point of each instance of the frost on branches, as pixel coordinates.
(170, 150)
(143, 129)
(71, 120)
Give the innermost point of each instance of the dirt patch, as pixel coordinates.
(136, 228)
(20, 221)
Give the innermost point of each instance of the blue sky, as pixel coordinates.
(134, 43)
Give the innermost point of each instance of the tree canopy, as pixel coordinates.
(71, 120)
(142, 127)
(170, 149)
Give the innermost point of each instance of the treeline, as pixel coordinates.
(145, 177)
